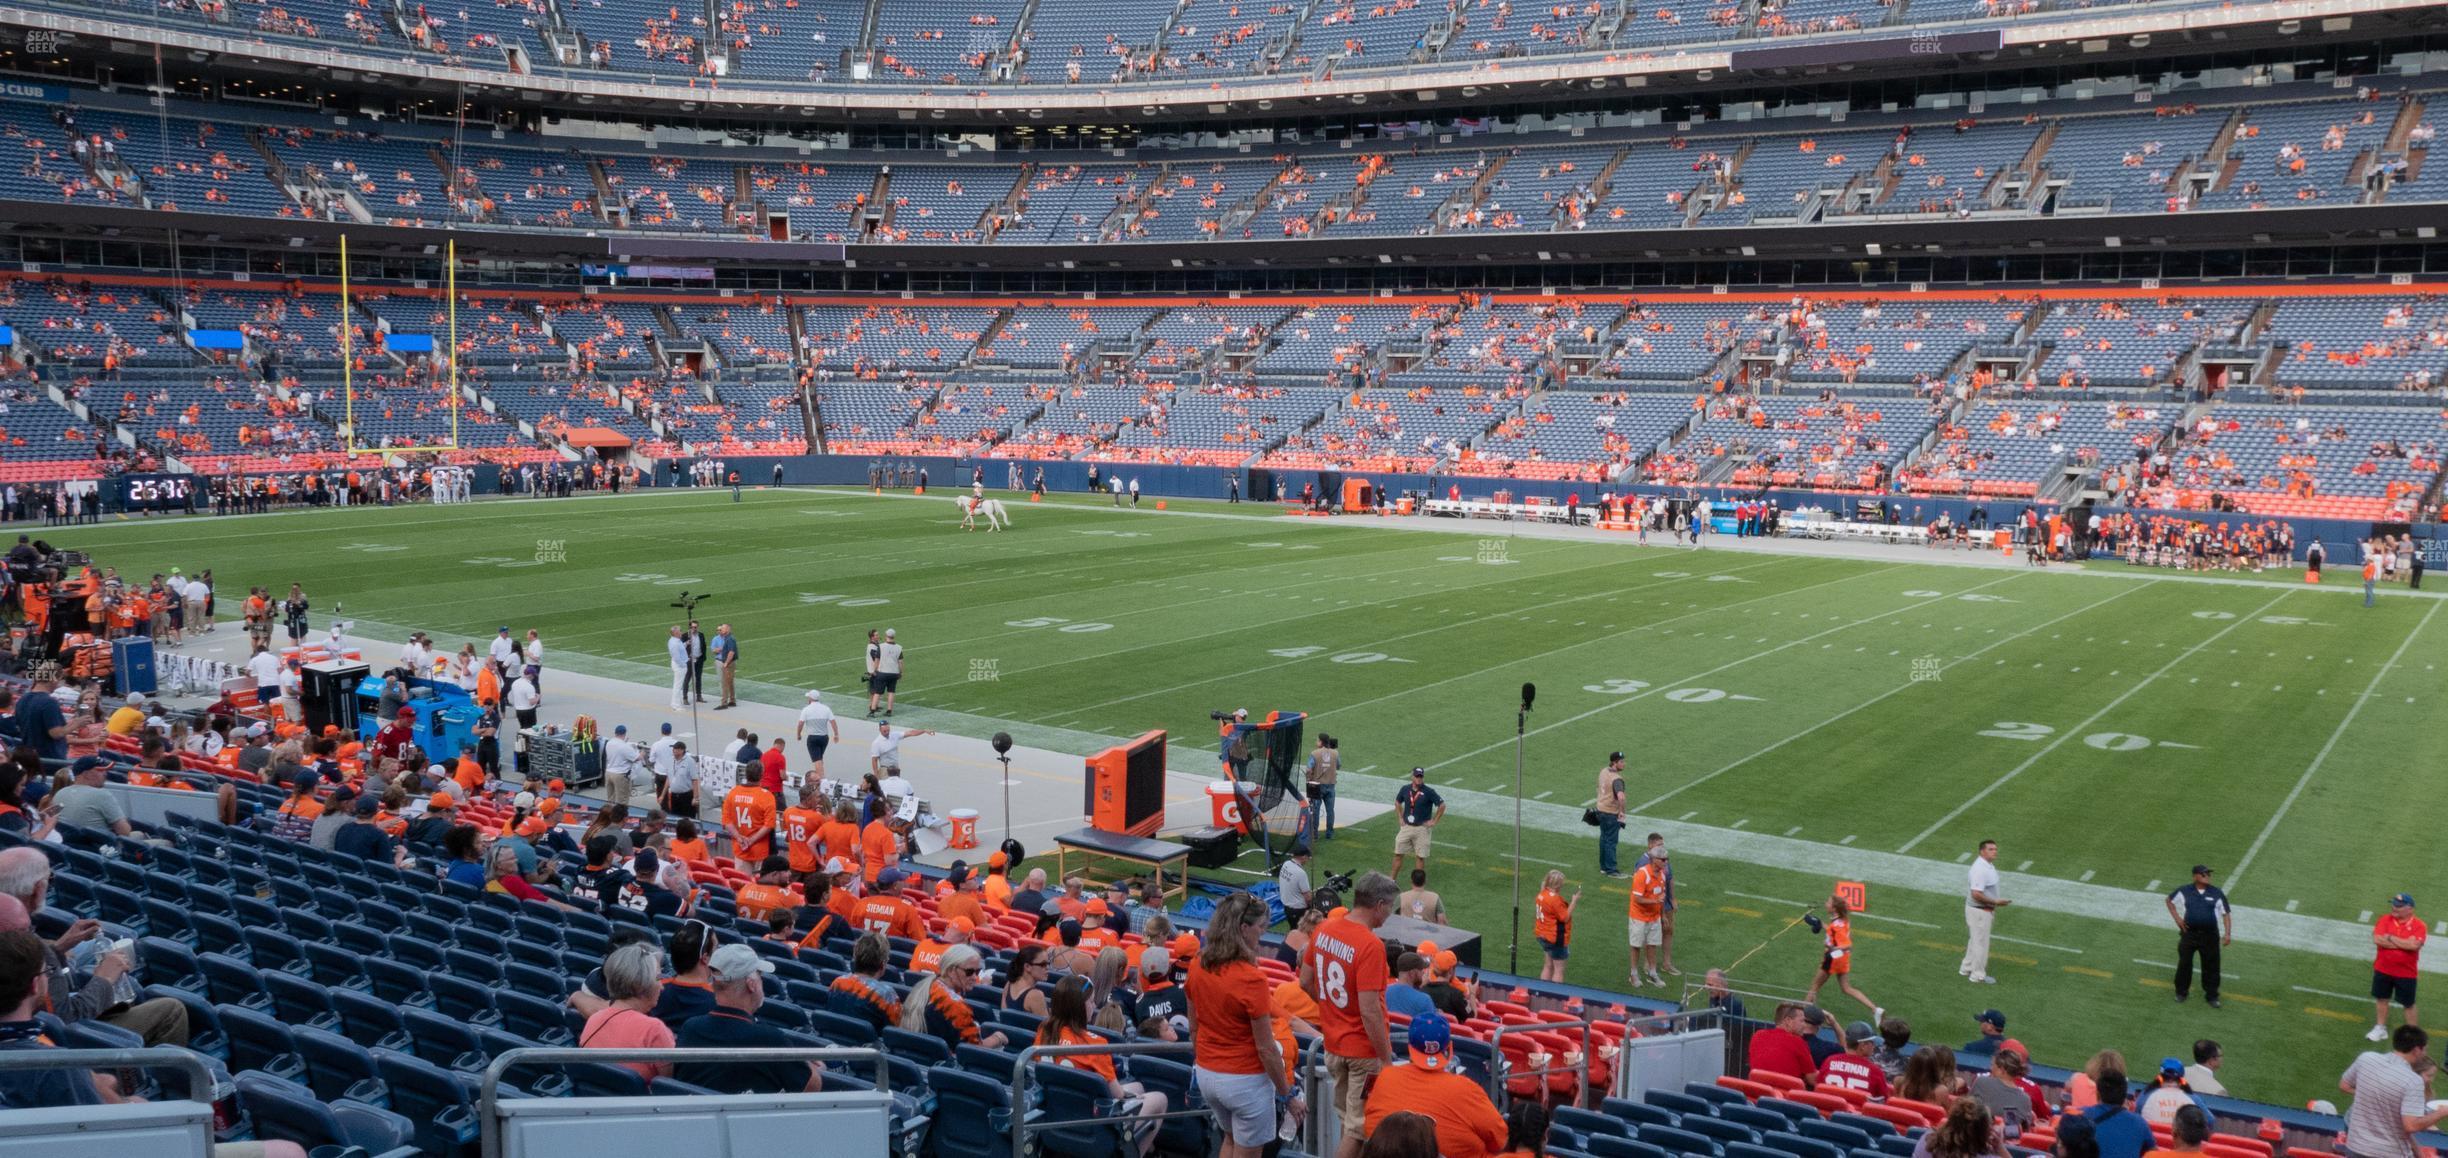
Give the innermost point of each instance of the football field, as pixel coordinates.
(1790, 719)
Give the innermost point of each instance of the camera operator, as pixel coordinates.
(1292, 885)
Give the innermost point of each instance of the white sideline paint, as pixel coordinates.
(2321, 757)
(2267, 927)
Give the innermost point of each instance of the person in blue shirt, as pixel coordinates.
(466, 863)
(738, 975)
(2121, 1132)
(1407, 995)
(41, 723)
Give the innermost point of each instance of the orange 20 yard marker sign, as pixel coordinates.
(1854, 894)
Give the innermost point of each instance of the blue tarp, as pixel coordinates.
(8, 336)
(217, 339)
(409, 343)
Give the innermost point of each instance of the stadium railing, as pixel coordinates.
(181, 1127)
(852, 1121)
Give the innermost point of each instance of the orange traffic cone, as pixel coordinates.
(1160, 504)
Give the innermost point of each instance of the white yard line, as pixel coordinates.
(2356, 997)
(1874, 702)
(2085, 726)
(1670, 685)
(2034, 944)
(2235, 878)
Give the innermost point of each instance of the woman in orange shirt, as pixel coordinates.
(1554, 928)
(1239, 1069)
(1066, 1023)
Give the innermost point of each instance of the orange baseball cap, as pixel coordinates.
(1443, 963)
(1097, 906)
(1185, 945)
(964, 925)
(1427, 949)
(548, 805)
(997, 861)
(557, 786)
(440, 800)
(534, 826)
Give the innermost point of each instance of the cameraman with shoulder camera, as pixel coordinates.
(1292, 885)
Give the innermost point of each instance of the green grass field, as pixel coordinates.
(1790, 720)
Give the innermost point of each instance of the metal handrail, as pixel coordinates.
(200, 1079)
(1021, 1127)
(488, 1098)
(1501, 1072)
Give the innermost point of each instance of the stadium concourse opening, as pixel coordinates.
(495, 659)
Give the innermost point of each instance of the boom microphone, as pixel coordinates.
(1529, 693)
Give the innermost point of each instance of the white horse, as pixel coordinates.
(996, 517)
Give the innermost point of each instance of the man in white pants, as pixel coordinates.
(677, 648)
(1981, 903)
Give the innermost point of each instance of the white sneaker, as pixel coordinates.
(1983, 979)
(1656, 980)
(2378, 1033)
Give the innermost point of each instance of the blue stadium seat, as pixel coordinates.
(532, 980)
(1793, 1111)
(442, 1040)
(167, 919)
(369, 1020)
(1872, 1128)
(1178, 1083)
(1678, 1141)
(469, 966)
(298, 1001)
(972, 1115)
(415, 948)
(234, 982)
(838, 1027)
(217, 934)
(1681, 1104)
(1609, 1146)
(1711, 1092)
(204, 1032)
(441, 1103)
(288, 1113)
(1719, 1129)
(1901, 1145)
(306, 925)
(1840, 1136)
(1640, 1113)
(1756, 1117)
(469, 1001)
(398, 983)
(925, 1049)
(542, 1021)
(339, 1068)
(271, 948)
(1799, 1146)
(1583, 1123)
(262, 1044)
(167, 962)
(784, 1014)
(1748, 1150)
(604, 1080)
(335, 967)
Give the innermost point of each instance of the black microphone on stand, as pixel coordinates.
(1521, 725)
(1012, 851)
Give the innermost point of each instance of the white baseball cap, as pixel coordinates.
(813, 694)
(836, 867)
(888, 633)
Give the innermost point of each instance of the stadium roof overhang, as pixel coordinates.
(2093, 37)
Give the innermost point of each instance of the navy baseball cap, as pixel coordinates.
(1991, 1017)
(1431, 1041)
(2406, 899)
